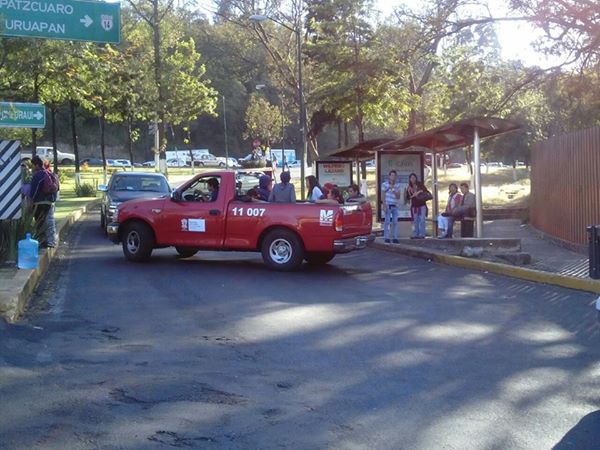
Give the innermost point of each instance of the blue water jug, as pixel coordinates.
(28, 253)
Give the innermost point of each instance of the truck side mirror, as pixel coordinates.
(176, 196)
(102, 188)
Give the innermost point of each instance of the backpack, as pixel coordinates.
(50, 185)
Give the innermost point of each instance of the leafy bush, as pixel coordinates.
(85, 190)
(12, 231)
(63, 176)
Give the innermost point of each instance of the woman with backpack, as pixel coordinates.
(43, 193)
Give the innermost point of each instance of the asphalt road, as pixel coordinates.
(374, 351)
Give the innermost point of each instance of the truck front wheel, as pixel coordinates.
(138, 242)
(282, 250)
(319, 258)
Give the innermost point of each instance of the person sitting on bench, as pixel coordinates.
(466, 209)
(454, 201)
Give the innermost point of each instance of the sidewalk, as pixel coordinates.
(16, 286)
(550, 263)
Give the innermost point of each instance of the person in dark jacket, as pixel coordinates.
(283, 192)
(43, 206)
(265, 185)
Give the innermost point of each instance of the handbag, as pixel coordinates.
(424, 196)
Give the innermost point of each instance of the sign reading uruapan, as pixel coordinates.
(61, 19)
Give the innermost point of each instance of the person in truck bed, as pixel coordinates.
(283, 192)
(334, 197)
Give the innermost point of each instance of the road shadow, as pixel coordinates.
(583, 436)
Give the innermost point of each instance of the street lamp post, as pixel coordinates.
(296, 31)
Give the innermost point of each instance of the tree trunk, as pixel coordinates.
(339, 130)
(75, 146)
(346, 137)
(159, 86)
(129, 139)
(412, 123)
(54, 150)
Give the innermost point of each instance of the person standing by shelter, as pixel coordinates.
(390, 191)
(418, 195)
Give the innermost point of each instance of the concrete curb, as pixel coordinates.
(581, 284)
(15, 295)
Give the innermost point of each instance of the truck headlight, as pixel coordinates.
(112, 208)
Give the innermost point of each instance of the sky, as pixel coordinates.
(516, 38)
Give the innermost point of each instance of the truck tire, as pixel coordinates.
(138, 242)
(66, 161)
(186, 252)
(319, 258)
(282, 250)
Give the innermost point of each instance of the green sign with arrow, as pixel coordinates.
(22, 115)
(74, 20)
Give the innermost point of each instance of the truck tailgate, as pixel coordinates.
(358, 218)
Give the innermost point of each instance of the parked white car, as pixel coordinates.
(231, 162)
(123, 162)
(177, 163)
(48, 153)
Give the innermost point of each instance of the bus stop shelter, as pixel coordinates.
(449, 137)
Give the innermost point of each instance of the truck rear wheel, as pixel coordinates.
(138, 242)
(319, 258)
(186, 252)
(282, 250)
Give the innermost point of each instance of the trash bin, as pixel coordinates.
(594, 251)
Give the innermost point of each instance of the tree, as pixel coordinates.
(263, 120)
(180, 93)
(346, 65)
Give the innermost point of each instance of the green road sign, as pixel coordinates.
(22, 115)
(61, 19)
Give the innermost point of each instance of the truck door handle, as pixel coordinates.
(214, 212)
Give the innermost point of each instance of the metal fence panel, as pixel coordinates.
(565, 185)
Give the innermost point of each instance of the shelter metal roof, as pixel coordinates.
(452, 135)
(362, 150)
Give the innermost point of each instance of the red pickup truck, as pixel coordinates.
(194, 218)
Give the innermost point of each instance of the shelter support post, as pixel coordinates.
(478, 199)
(434, 187)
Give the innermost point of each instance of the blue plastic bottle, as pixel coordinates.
(28, 253)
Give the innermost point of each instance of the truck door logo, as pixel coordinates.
(326, 217)
(184, 224)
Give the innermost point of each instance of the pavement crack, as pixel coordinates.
(173, 439)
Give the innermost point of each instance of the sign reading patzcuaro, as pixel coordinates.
(61, 19)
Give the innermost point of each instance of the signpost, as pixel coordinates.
(22, 115)
(74, 20)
